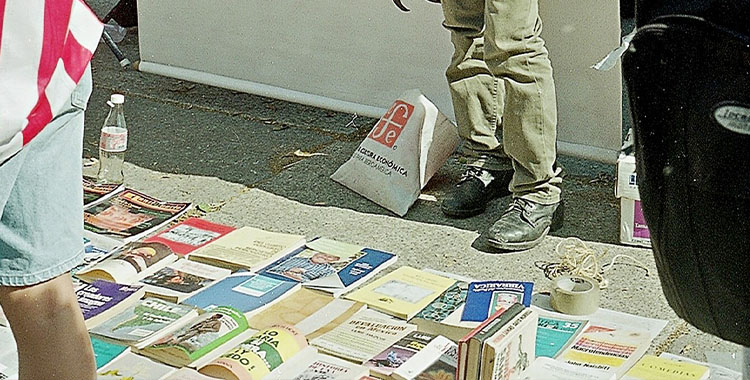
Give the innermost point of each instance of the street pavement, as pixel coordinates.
(234, 155)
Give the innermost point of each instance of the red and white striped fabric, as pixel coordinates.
(45, 47)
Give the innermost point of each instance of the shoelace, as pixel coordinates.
(471, 171)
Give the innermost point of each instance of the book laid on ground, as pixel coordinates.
(182, 279)
(312, 312)
(486, 297)
(190, 234)
(443, 315)
(437, 360)
(508, 353)
(245, 291)
(8, 354)
(186, 373)
(130, 215)
(544, 368)
(331, 266)
(309, 364)
(96, 248)
(101, 300)
(257, 356)
(651, 367)
(132, 366)
(105, 352)
(363, 336)
(144, 321)
(247, 248)
(197, 337)
(94, 193)
(555, 333)
(383, 364)
(717, 372)
(129, 263)
(470, 346)
(403, 292)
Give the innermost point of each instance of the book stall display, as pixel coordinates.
(170, 296)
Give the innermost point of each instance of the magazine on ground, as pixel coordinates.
(94, 193)
(129, 263)
(182, 279)
(190, 234)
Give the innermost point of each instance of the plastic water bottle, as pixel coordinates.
(113, 142)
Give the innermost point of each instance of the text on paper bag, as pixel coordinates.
(389, 127)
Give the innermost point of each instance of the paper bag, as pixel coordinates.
(401, 153)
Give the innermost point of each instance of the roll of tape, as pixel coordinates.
(575, 295)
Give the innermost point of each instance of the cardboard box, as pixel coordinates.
(633, 228)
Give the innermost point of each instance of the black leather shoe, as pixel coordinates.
(525, 224)
(470, 196)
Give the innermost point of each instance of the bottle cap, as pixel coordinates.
(117, 98)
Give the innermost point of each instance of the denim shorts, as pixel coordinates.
(41, 199)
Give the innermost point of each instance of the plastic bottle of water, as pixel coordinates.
(113, 142)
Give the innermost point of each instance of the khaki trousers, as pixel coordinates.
(500, 78)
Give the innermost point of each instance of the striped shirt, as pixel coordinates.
(45, 47)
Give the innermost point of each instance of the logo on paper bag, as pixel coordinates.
(389, 127)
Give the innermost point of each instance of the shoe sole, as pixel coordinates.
(463, 213)
(519, 246)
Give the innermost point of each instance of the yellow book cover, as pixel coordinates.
(655, 368)
(259, 355)
(248, 248)
(403, 292)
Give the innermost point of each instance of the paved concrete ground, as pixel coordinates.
(191, 142)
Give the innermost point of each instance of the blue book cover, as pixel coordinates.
(487, 297)
(244, 291)
(104, 352)
(101, 295)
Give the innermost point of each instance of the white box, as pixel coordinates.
(633, 228)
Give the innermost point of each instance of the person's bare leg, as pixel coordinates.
(50, 333)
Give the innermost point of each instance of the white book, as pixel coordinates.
(717, 372)
(424, 358)
(309, 364)
(135, 367)
(544, 368)
(186, 373)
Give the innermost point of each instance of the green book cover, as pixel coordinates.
(143, 319)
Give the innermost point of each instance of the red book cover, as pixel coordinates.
(190, 235)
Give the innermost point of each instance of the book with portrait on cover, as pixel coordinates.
(190, 234)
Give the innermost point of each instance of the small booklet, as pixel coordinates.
(245, 291)
(132, 366)
(190, 234)
(257, 356)
(129, 215)
(651, 367)
(144, 322)
(101, 300)
(309, 364)
(129, 263)
(247, 248)
(403, 292)
(330, 266)
(182, 279)
(487, 297)
(94, 193)
(555, 333)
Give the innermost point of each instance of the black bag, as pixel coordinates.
(688, 75)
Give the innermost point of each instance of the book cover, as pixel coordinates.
(555, 333)
(550, 369)
(105, 352)
(610, 349)
(470, 347)
(244, 291)
(190, 234)
(130, 366)
(403, 292)
(186, 373)
(384, 363)
(437, 361)
(717, 372)
(258, 356)
(129, 263)
(94, 193)
(96, 248)
(363, 336)
(329, 265)
(198, 336)
(651, 367)
(508, 353)
(102, 299)
(130, 215)
(182, 279)
(310, 311)
(486, 297)
(247, 248)
(140, 322)
(308, 364)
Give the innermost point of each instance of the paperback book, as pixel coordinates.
(437, 360)
(130, 366)
(555, 333)
(129, 263)
(105, 352)
(443, 315)
(190, 234)
(403, 292)
(330, 266)
(309, 364)
(508, 353)
(385, 363)
(182, 279)
(247, 248)
(651, 367)
(487, 297)
(94, 193)
(470, 346)
(245, 291)
(101, 300)
(130, 215)
(96, 248)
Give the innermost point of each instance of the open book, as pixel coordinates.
(130, 263)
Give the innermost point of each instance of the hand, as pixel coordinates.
(401, 6)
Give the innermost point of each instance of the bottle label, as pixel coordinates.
(113, 139)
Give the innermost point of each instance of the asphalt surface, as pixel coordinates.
(235, 152)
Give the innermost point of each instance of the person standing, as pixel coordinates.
(500, 79)
(45, 82)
